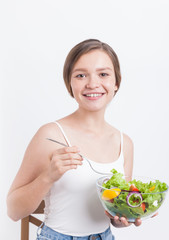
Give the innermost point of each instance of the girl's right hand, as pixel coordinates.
(62, 160)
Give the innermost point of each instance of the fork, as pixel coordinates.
(52, 140)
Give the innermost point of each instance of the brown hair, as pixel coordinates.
(82, 48)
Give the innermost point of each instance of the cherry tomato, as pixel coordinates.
(143, 206)
(133, 188)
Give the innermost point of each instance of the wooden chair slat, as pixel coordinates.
(25, 228)
(31, 219)
(40, 209)
(35, 220)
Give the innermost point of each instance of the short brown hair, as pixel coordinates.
(82, 48)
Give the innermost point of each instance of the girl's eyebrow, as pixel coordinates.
(97, 69)
(79, 70)
(105, 68)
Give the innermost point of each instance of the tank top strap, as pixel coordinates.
(121, 135)
(121, 139)
(61, 129)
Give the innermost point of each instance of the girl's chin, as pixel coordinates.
(92, 108)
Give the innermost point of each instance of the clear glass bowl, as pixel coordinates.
(130, 204)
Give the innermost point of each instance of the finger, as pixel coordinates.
(63, 150)
(118, 223)
(137, 222)
(125, 222)
(67, 168)
(117, 220)
(71, 156)
(114, 218)
(73, 149)
(72, 162)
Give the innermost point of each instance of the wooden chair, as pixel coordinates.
(31, 219)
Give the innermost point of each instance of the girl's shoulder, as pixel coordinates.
(118, 132)
(39, 140)
(49, 130)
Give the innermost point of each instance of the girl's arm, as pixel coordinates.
(31, 182)
(43, 164)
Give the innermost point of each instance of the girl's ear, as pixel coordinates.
(115, 88)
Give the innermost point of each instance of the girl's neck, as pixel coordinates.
(87, 120)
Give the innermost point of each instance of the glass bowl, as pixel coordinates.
(129, 201)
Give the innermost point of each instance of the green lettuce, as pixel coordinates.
(153, 194)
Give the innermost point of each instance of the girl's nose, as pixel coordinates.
(93, 82)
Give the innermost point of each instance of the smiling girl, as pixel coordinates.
(59, 175)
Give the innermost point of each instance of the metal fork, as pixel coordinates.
(81, 156)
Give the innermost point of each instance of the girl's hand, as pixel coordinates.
(122, 222)
(62, 160)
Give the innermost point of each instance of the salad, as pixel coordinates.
(133, 199)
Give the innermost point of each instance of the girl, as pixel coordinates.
(58, 174)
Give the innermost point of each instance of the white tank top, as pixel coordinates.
(72, 205)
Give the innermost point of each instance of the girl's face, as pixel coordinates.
(93, 80)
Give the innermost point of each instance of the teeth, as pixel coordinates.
(94, 95)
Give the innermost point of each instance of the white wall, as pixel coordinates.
(36, 36)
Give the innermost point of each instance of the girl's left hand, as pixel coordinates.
(122, 222)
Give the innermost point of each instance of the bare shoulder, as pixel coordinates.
(128, 143)
(40, 149)
(49, 130)
(37, 155)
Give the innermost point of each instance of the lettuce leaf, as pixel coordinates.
(152, 192)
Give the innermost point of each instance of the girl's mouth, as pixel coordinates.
(93, 96)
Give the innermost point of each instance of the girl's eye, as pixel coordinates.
(104, 74)
(80, 76)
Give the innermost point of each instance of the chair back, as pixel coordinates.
(31, 219)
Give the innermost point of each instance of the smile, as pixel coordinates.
(93, 95)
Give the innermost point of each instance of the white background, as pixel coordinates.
(36, 36)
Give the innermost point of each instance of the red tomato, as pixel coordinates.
(143, 206)
(133, 188)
